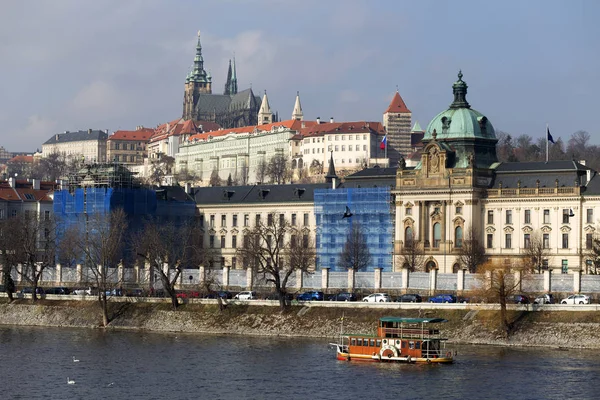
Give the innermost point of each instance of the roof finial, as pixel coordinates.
(460, 75)
(198, 33)
(396, 88)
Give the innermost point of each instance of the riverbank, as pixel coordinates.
(551, 329)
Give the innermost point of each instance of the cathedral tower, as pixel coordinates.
(297, 113)
(197, 82)
(265, 116)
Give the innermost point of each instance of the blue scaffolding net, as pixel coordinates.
(371, 208)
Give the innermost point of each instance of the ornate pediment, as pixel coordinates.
(546, 229)
(211, 231)
(234, 231)
(409, 204)
(458, 220)
(565, 229)
(527, 229)
(436, 216)
(458, 203)
(408, 221)
(490, 229)
(589, 229)
(223, 231)
(246, 231)
(509, 229)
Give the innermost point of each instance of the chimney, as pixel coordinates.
(35, 184)
(56, 137)
(331, 120)
(333, 183)
(188, 188)
(318, 120)
(89, 131)
(12, 182)
(303, 125)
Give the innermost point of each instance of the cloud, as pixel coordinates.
(37, 130)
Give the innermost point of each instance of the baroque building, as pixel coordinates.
(229, 110)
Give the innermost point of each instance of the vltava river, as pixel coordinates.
(130, 365)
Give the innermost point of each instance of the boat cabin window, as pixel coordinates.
(353, 342)
(403, 345)
(418, 345)
(411, 345)
(372, 342)
(378, 342)
(398, 342)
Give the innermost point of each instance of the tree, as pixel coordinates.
(472, 253)
(102, 244)
(169, 248)
(593, 254)
(412, 255)
(316, 168)
(261, 171)
(185, 175)
(7, 255)
(278, 169)
(51, 167)
(229, 180)
(535, 252)
(355, 254)
(244, 174)
(499, 283)
(160, 168)
(275, 251)
(214, 180)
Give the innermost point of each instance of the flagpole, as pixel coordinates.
(385, 154)
(547, 140)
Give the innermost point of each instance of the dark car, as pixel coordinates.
(275, 296)
(224, 294)
(410, 298)
(58, 290)
(520, 299)
(310, 296)
(343, 296)
(443, 298)
(29, 290)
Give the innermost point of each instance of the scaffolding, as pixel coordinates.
(371, 208)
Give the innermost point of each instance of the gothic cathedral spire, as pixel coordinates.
(234, 86)
(297, 113)
(265, 116)
(228, 83)
(196, 83)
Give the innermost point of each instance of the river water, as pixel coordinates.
(36, 363)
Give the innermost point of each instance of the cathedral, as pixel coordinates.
(231, 109)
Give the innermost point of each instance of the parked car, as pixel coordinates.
(544, 299)
(462, 299)
(443, 298)
(310, 296)
(187, 294)
(224, 294)
(410, 298)
(29, 290)
(378, 298)
(58, 290)
(520, 299)
(343, 296)
(83, 291)
(245, 296)
(275, 296)
(576, 299)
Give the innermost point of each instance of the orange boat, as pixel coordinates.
(398, 339)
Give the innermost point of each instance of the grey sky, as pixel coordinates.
(115, 64)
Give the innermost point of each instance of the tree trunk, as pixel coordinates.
(504, 325)
(174, 300)
(104, 304)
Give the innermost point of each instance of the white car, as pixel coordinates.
(378, 298)
(576, 299)
(245, 296)
(83, 292)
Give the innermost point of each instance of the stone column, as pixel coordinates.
(488, 280)
(148, 274)
(201, 274)
(58, 277)
(576, 281)
(405, 277)
(324, 278)
(249, 278)
(460, 280)
(351, 279)
(377, 278)
(79, 273)
(517, 277)
(121, 273)
(299, 279)
(136, 271)
(225, 276)
(547, 281)
(433, 280)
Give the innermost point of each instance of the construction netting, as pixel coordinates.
(337, 211)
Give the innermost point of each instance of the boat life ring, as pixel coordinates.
(449, 354)
(388, 351)
(428, 361)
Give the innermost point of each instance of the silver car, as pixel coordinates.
(576, 299)
(378, 298)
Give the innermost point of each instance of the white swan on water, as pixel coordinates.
(75, 360)
(70, 381)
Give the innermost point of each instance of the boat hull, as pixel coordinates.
(408, 360)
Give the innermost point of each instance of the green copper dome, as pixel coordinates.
(460, 121)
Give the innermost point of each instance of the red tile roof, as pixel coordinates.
(397, 105)
(24, 191)
(291, 124)
(21, 159)
(142, 134)
(182, 127)
(343, 127)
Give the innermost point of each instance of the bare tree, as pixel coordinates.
(355, 254)
(261, 171)
(51, 167)
(316, 168)
(535, 252)
(8, 246)
(169, 248)
(160, 168)
(244, 174)
(229, 180)
(472, 253)
(412, 255)
(593, 254)
(278, 169)
(185, 175)
(214, 180)
(274, 252)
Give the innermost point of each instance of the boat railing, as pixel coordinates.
(411, 333)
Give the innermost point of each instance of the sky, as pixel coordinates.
(116, 64)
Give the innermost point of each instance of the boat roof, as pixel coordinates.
(405, 320)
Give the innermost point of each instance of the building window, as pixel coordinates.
(306, 219)
(337, 148)
(117, 146)
(565, 266)
(589, 215)
(546, 241)
(281, 220)
(490, 240)
(458, 210)
(211, 241)
(408, 234)
(546, 216)
(46, 215)
(437, 234)
(293, 219)
(246, 219)
(508, 241)
(490, 217)
(223, 220)
(257, 222)
(527, 216)
(565, 240)
(566, 214)
(202, 221)
(350, 148)
(212, 221)
(408, 210)
(234, 220)
(234, 242)
(270, 220)
(305, 241)
(233, 262)
(588, 241)
(527, 240)
(458, 236)
(545, 264)
(509, 216)
(364, 147)
(223, 241)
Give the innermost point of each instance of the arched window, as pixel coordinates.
(300, 164)
(293, 164)
(408, 234)
(430, 265)
(458, 236)
(437, 234)
(456, 268)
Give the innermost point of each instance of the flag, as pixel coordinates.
(549, 136)
(383, 142)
